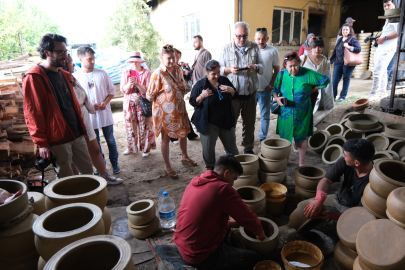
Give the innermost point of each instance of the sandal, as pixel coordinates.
(172, 174)
(189, 162)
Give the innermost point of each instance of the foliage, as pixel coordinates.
(21, 17)
(130, 29)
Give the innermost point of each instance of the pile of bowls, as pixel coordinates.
(306, 180)
(253, 197)
(250, 165)
(273, 160)
(142, 219)
(276, 195)
(365, 52)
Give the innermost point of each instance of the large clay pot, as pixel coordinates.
(254, 197)
(362, 121)
(265, 246)
(303, 252)
(250, 163)
(246, 180)
(381, 155)
(359, 265)
(96, 252)
(141, 212)
(396, 206)
(349, 224)
(336, 139)
(107, 220)
(318, 141)
(307, 177)
(380, 142)
(26, 264)
(380, 245)
(76, 189)
(270, 165)
(332, 153)
(275, 198)
(344, 257)
(335, 129)
(267, 265)
(299, 221)
(17, 242)
(386, 176)
(374, 203)
(276, 149)
(18, 204)
(399, 147)
(38, 202)
(395, 130)
(266, 177)
(144, 231)
(353, 135)
(307, 194)
(66, 224)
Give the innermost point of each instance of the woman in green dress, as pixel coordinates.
(296, 84)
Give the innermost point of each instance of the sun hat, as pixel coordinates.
(135, 57)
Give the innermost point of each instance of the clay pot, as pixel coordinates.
(265, 246)
(266, 177)
(26, 264)
(267, 265)
(318, 141)
(344, 257)
(65, 224)
(350, 223)
(299, 221)
(303, 252)
(107, 220)
(269, 165)
(353, 135)
(144, 231)
(141, 212)
(275, 198)
(380, 245)
(399, 147)
(17, 242)
(307, 177)
(250, 163)
(386, 176)
(395, 130)
(396, 206)
(276, 149)
(374, 203)
(76, 189)
(96, 252)
(254, 197)
(246, 180)
(381, 155)
(393, 154)
(338, 139)
(38, 202)
(343, 124)
(41, 263)
(362, 121)
(335, 129)
(380, 142)
(307, 194)
(361, 104)
(18, 204)
(291, 202)
(332, 153)
(359, 265)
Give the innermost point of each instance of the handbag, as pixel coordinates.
(351, 58)
(146, 105)
(275, 108)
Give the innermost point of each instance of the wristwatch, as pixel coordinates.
(386, 38)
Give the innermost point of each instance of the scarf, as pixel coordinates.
(306, 43)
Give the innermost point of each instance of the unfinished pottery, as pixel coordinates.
(250, 163)
(380, 245)
(270, 165)
(380, 142)
(335, 129)
(353, 135)
(107, 220)
(350, 223)
(381, 155)
(396, 206)
(344, 257)
(307, 194)
(103, 252)
(276, 149)
(399, 147)
(275, 198)
(299, 221)
(254, 197)
(18, 204)
(246, 180)
(349, 114)
(336, 139)
(359, 265)
(332, 153)
(374, 203)
(144, 231)
(265, 246)
(141, 212)
(307, 177)
(267, 265)
(395, 130)
(386, 176)
(302, 252)
(64, 225)
(38, 202)
(76, 189)
(318, 141)
(266, 177)
(362, 121)
(361, 104)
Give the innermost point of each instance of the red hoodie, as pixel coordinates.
(207, 203)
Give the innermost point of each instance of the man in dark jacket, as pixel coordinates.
(52, 112)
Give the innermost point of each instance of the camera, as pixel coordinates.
(372, 38)
(44, 163)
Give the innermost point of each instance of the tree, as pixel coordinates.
(130, 29)
(22, 26)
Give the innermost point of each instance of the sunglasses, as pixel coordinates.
(241, 37)
(261, 29)
(288, 57)
(168, 47)
(220, 94)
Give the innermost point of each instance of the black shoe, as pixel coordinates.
(249, 152)
(340, 99)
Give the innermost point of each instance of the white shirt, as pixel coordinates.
(98, 86)
(389, 44)
(270, 59)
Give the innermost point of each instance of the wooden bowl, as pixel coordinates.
(361, 104)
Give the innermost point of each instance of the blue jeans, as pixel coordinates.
(108, 132)
(346, 71)
(263, 98)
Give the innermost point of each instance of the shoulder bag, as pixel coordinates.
(146, 105)
(274, 107)
(351, 58)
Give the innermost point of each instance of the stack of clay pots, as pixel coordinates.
(17, 248)
(365, 53)
(273, 160)
(250, 165)
(334, 147)
(142, 219)
(307, 179)
(253, 197)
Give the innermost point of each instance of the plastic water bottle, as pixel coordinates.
(167, 210)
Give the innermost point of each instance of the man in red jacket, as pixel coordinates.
(203, 220)
(52, 112)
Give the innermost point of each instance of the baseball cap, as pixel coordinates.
(350, 19)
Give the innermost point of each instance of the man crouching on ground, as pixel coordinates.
(203, 220)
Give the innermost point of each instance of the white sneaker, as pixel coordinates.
(127, 152)
(111, 180)
(372, 96)
(145, 154)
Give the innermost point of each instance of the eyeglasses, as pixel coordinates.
(241, 37)
(288, 57)
(168, 47)
(61, 52)
(261, 29)
(220, 94)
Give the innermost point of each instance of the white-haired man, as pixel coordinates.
(241, 61)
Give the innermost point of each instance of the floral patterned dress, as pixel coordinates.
(169, 110)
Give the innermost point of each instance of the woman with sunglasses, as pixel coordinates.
(214, 115)
(166, 90)
(295, 84)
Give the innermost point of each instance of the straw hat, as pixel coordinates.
(135, 57)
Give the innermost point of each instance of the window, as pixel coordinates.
(191, 25)
(287, 25)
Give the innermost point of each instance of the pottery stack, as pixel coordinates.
(142, 220)
(17, 248)
(250, 165)
(306, 180)
(365, 53)
(334, 147)
(273, 160)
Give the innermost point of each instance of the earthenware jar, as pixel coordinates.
(18, 204)
(380, 142)
(336, 139)
(254, 197)
(381, 155)
(141, 212)
(396, 206)
(267, 265)
(270, 165)
(276, 149)
(332, 153)
(246, 180)
(362, 121)
(399, 147)
(344, 257)
(353, 135)
(307, 194)
(335, 129)
(299, 221)
(250, 163)
(303, 252)
(307, 177)
(386, 176)
(374, 203)
(318, 141)
(275, 198)
(38, 202)
(144, 231)
(266, 177)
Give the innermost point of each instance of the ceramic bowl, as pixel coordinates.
(144, 231)
(299, 221)
(344, 257)
(361, 104)
(362, 121)
(353, 135)
(336, 139)
(270, 165)
(266, 177)
(246, 180)
(396, 206)
(141, 212)
(254, 197)
(349, 114)
(305, 249)
(396, 130)
(276, 149)
(250, 163)
(335, 129)
(386, 176)
(318, 141)
(373, 202)
(399, 147)
(332, 153)
(267, 265)
(380, 142)
(307, 177)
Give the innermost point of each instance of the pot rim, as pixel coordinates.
(356, 130)
(272, 237)
(151, 204)
(326, 135)
(324, 151)
(390, 217)
(310, 177)
(342, 129)
(373, 118)
(349, 130)
(276, 147)
(248, 162)
(349, 114)
(260, 155)
(247, 175)
(386, 178)
(297, 267)
(386, 140)
(252, 187)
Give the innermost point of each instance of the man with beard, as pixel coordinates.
(200, 60)
(52, 112)
(271, 62)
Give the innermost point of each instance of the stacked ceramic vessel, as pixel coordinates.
(365, 53)
(250, 165)
(17, 248)
(273, 160)
(307, 179)
(142, 219)
(253, 197)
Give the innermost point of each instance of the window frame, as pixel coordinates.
(292, 11)
(197, 25)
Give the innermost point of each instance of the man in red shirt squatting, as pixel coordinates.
(203, 220)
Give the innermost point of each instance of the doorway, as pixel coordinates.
(316, 23)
